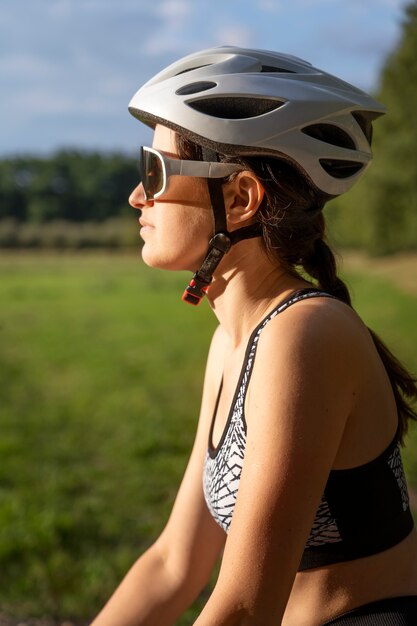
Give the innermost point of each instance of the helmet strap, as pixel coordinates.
(220, 243)
(198, 285)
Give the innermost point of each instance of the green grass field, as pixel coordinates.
(101, 370)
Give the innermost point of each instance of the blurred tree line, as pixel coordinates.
(380, 213)
(76, 199)
(72, 199)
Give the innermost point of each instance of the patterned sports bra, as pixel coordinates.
(363, 510)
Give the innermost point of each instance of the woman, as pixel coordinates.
(295, 472)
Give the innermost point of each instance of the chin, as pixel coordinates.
(165, 262)
(174, 263)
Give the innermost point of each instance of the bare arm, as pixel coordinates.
(170, 575)
(300, 396)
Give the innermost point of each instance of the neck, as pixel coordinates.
(246, 285)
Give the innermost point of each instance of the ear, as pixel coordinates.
(242, 195)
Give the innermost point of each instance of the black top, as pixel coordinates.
(363, 510)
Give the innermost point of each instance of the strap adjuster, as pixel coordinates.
(195, 291)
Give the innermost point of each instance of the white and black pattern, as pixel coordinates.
(324, 529)
(222, 470)
(352, 520)
(396, 464)
(222, 475)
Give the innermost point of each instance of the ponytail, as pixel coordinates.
(321, 265)
(402, 383)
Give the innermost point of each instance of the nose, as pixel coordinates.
(137, 198)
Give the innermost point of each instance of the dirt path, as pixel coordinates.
(401, 269)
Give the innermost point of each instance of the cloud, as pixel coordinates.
(26, 67)
(173, 21)
(234, 35)
(269, 6)
(174, 9)
(166, 43)
(276, 6)
(59, 10)
(381, 4)
(69, 67)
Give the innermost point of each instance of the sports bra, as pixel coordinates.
(363, 510)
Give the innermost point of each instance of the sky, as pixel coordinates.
(68, 68)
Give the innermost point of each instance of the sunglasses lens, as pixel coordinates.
(151, 173)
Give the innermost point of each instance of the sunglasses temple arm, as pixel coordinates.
(202, 169)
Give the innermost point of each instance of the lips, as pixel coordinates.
(144, 223)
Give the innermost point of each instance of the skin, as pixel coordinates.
(318, 399)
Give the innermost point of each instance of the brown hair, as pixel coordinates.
(293, 229)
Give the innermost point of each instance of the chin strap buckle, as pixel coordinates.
(195, 291)
(198, 285)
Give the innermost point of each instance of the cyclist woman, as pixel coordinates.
(295, 476)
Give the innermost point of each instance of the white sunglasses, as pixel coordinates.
(155, 169)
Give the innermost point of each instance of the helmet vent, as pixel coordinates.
(191, 69)
(195, 88)
(279, 70)
(235, 108)
(340, 168)
(365, 122)
(331, 134)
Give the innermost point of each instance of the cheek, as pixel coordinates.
(179, 240)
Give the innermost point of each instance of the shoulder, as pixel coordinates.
(310, 359)
(317, 325)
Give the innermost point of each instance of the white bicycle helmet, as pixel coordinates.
(238, 101)
(248, 102)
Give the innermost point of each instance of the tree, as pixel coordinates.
(384, 204)
(69, 185)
